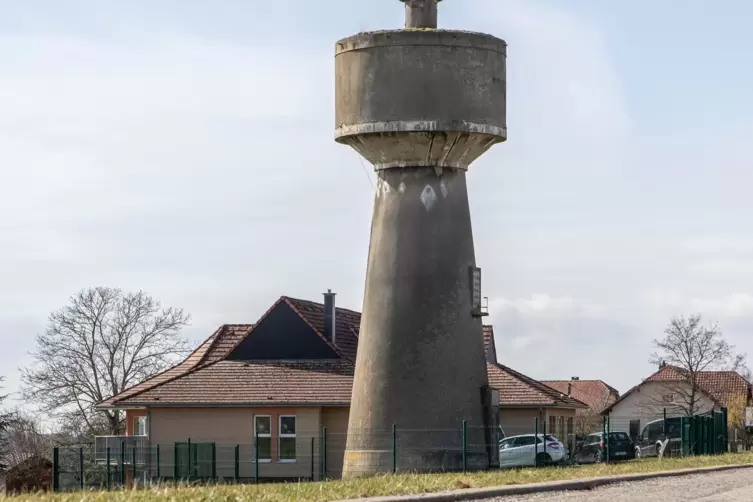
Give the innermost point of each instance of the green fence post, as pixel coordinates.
(536, 443)
(256, 457)
(175, 462)
(324, 454)
(465, 446)
(664, 423)
(121, 470)
(107, 473)
(133, 465)
(313, 446)
(543, 433)
(158, 465)
(609, 436)
(55, 469)
(190, 457)
(81, 468)
(394, 449)
(725, 431)
(683, 436)
(214, 461)
(237, 463)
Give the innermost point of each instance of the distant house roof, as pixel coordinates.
(595, 393)
(208, 378)
(518, 390)
(720, 386)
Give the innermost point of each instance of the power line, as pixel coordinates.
(366, 172)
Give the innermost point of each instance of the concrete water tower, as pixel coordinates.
(421, 104)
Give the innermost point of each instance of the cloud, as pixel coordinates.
(198, 164)
(556, 338)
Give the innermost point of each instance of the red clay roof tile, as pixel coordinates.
(205, 377)
(517, 389)
(595, 393)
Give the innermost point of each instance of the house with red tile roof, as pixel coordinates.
(282, 382)
(668, 392)
(597, 394)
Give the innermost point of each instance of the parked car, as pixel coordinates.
(648, 443)
(593, 449)
(519, 451)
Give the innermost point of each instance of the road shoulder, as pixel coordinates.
(551, 486)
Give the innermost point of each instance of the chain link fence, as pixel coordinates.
(127, 462)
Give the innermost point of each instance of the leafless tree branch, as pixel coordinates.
(102, 342)
(692, 348)
(5, 422)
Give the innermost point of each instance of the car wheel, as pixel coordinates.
(597, 457)
(543, 459)
(658, 449)
(637, 453)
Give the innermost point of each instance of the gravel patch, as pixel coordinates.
(712, 487)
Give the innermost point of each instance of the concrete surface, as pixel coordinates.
(719, 486)
(421, 97)
(420, 362)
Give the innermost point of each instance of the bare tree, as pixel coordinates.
(5, 420)
(692, 348)
(25, 439)
(101, 343)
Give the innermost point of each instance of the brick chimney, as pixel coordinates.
(329, 317)
(569, 389)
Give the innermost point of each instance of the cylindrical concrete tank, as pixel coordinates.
(420, 97)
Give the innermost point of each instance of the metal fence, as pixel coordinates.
(667, 432)
(313, 457)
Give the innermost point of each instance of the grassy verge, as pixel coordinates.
(401, 484)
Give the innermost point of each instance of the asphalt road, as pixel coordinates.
(713, 487)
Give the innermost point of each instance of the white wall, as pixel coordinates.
(646, 404)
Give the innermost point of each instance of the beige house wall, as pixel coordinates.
(231, 426)
(517, 421)
(336, 422)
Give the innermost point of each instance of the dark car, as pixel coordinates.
(593, 449)
(648, 443)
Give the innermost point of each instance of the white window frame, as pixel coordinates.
(280, 436)
(136, 426)
(263, 436)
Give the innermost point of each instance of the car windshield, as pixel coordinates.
(551, 438)
(619, 436)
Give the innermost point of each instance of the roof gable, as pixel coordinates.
(347, 323)
(282, 334)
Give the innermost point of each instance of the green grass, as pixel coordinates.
(401, 484)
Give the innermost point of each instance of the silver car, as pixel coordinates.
(528, 450)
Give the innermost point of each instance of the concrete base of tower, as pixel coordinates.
(420, 363)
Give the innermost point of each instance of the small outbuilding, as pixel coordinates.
(34, 474)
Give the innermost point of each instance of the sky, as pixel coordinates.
(186, 149)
